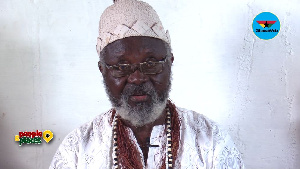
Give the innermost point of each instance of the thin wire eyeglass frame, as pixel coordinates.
(134, 67)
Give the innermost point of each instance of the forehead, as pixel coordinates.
(134, 45)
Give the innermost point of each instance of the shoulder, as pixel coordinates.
(205, 131)
(90, 130)
(199, 123)
(81, 140)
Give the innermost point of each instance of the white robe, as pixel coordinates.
(202, 145)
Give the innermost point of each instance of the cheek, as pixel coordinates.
(115, 86)
(161, 80)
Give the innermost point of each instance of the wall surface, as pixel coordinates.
(49, 77)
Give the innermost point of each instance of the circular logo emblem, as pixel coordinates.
(266, 25)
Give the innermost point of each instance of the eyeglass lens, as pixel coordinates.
(146, 68)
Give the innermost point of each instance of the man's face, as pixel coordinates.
(137, 96)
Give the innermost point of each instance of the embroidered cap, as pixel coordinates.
(127, 18)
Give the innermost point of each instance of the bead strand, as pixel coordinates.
(115, 143)
(169, 141)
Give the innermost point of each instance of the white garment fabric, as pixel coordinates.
(202, 145)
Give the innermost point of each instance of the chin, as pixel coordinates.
(142, 113)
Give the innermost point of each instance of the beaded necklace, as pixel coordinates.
(169, 156)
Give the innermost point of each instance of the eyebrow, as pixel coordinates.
(119, 53)
(147, 50)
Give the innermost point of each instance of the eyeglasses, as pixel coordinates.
(147, 68)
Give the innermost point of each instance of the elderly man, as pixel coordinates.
(144, 129)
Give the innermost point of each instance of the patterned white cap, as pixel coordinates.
(127, 18)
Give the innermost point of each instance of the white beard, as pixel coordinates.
(140, 116)
(142, 113)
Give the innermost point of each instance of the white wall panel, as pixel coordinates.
(49, 77)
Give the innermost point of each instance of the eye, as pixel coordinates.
(150, 64)
(123, 67)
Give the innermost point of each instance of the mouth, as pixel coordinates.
(139, 97)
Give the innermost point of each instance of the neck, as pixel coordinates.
(143, 132)
(159, 121)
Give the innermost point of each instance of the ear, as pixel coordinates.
(100, 66)
(172, 57)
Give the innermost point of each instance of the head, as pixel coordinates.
(138, 96)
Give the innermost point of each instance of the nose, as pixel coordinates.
(137, 77)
